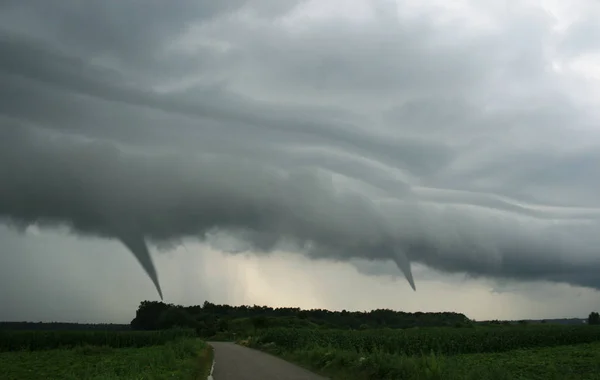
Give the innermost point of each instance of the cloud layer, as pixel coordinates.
(386, 131)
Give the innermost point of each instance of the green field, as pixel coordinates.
(377, 345)
(99, 355)
(487, 353)
(43, 340)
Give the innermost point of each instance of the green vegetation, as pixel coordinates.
(43, 340)
(173, 353)
(511, 352)
(386, 344)
(210, 319)
(184, 358)
(575, 362)
(445, 341)
(162, 342)
(60, 326)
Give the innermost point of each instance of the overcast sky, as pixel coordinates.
(322, 153)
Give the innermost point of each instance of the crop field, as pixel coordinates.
(44, 340)
(516, 352)
(446, 341)
(169, 354)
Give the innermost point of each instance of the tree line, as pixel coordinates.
(210, 318)
(60, 326)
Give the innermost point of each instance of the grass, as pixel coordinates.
(571, 362)
(185, 358)
(507, 353)
(574, 362)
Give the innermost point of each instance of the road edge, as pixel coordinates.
(212, 367)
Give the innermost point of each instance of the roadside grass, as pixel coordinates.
(570, 362)
(186, 358)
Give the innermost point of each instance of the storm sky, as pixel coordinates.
(299, 153)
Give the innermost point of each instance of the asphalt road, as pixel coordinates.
(234, 362)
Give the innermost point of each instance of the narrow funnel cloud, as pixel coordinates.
(137, 245)
(403, 264)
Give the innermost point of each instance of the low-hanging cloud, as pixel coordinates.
(99, 189)
(410, 138)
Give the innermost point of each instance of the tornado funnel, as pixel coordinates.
(403, 264)
(137, 245)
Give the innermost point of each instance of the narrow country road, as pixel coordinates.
(233, 362)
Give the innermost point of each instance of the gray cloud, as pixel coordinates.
(98, 190)
(125, 33)
(460, 151)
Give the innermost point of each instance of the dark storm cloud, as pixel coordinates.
(131, 34)
(28, 62)
(444, 129)
(98, 190)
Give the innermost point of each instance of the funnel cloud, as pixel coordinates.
(97, 189)
(137, 245)
(410, 136)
